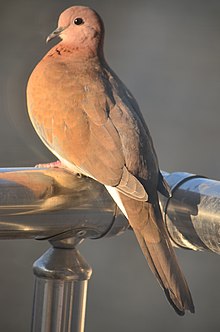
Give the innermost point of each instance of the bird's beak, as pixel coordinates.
(55, 33)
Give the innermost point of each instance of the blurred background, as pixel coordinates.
(168, 54)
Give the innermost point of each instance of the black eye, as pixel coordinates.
(78, 21)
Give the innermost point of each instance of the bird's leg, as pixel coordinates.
(54, 164)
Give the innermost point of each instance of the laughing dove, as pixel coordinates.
(90, 121)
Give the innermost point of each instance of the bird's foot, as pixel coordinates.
(55, 164)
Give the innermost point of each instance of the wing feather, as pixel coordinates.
(131, 187)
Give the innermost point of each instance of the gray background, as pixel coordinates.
(168, 54)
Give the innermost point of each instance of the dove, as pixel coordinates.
(91, 122)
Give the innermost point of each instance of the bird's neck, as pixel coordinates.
(68, 51)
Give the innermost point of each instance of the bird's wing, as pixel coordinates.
(101, 148)
(105, 156)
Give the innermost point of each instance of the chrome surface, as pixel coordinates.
(55, 204)
(64, 208)
(193, 213)
(61, 280)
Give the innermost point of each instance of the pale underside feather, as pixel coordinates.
(116, 197)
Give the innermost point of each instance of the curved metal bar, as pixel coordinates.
(56, 204)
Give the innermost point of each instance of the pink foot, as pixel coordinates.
(55, 164)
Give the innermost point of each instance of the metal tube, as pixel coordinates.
(61, 279)
(46, 203)
(53, 203)
(192, 214)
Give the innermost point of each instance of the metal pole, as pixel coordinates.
(61, 280)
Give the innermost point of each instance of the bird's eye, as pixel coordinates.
(78, 21)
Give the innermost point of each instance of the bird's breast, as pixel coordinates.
(54, 100)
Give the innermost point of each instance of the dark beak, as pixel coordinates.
(55, 33)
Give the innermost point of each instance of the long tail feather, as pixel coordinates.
(168, 273)
(157, 249)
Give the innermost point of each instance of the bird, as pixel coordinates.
(91, 122)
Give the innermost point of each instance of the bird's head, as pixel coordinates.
(80, 27)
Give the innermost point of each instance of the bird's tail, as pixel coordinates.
(157, 248)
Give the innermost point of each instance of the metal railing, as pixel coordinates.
(55, 205)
